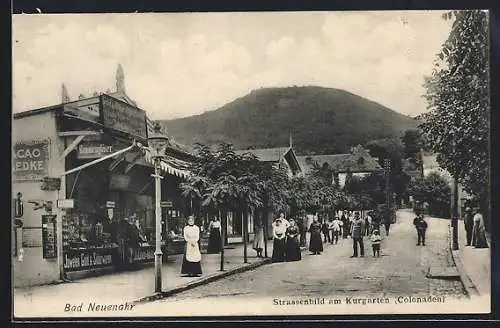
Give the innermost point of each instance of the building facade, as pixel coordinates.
(358, 162)
(80, 185)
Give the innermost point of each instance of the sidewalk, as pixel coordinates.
(131, 286)
(475, 263)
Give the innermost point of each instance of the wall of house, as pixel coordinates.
(32, 268)
(343, 176)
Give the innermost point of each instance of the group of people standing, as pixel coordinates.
(285, 240)
(474, 228)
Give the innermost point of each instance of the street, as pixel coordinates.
(399, 272)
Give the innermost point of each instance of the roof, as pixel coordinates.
(355, 162)
(123, 97)
(36, 111)
(267, 154)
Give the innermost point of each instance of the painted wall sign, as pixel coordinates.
(123, 117)
(87, 109)
(49, 240)
(31, 160)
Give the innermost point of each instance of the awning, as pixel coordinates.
(169, 164)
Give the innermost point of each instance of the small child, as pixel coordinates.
(376, 239)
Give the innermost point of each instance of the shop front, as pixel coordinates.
(87, 208)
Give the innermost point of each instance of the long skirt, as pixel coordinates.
(278, 250)
(258, 242)
(214, 242)
(190, 268)
(315, 243)
(292, 251)
(479, 237)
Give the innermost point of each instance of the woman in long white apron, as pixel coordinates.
(191, 263)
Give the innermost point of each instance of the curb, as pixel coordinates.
(466, 281)
(205, 280)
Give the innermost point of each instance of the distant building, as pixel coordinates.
(359, 162)
(280, 157)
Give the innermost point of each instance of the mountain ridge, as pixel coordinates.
(320, 119)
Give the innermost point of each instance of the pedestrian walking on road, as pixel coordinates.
(279, 234)
(336, 229)
(258, 241)
(191, 263)
(387, 221)
(303, 230)
(345, 226)
(369, 222)
(376, 240)
(292, 250)
(357, 230)
(469, 224)
(479, 232)
(330, 229)
(324, 230)
(421, 227)
(214, 240)
(315, 243)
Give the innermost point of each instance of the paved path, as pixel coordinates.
(476, 262)
(400, 271)
(120, 287)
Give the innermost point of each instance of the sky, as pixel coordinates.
(182, 64)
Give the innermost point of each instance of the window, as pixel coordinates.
(361, 161)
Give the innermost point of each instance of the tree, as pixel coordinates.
(412, 143)
(457, 92)
(435, 191)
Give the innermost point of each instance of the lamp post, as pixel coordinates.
(157, 143)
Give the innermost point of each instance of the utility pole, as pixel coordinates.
(387, 169)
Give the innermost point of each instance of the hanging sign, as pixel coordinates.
(31, 160)
(96, 149)
(49, 239)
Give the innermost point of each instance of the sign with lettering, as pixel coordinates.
(86, 260)
(96, 149)
(49, 239)
(119, 115)
(144, 254)
(65, 203)
(87, 109)
(31, 160)
(165, 203)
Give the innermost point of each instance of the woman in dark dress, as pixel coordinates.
(214, 240)
(315, 242)
(292, 245)
(279, 234)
